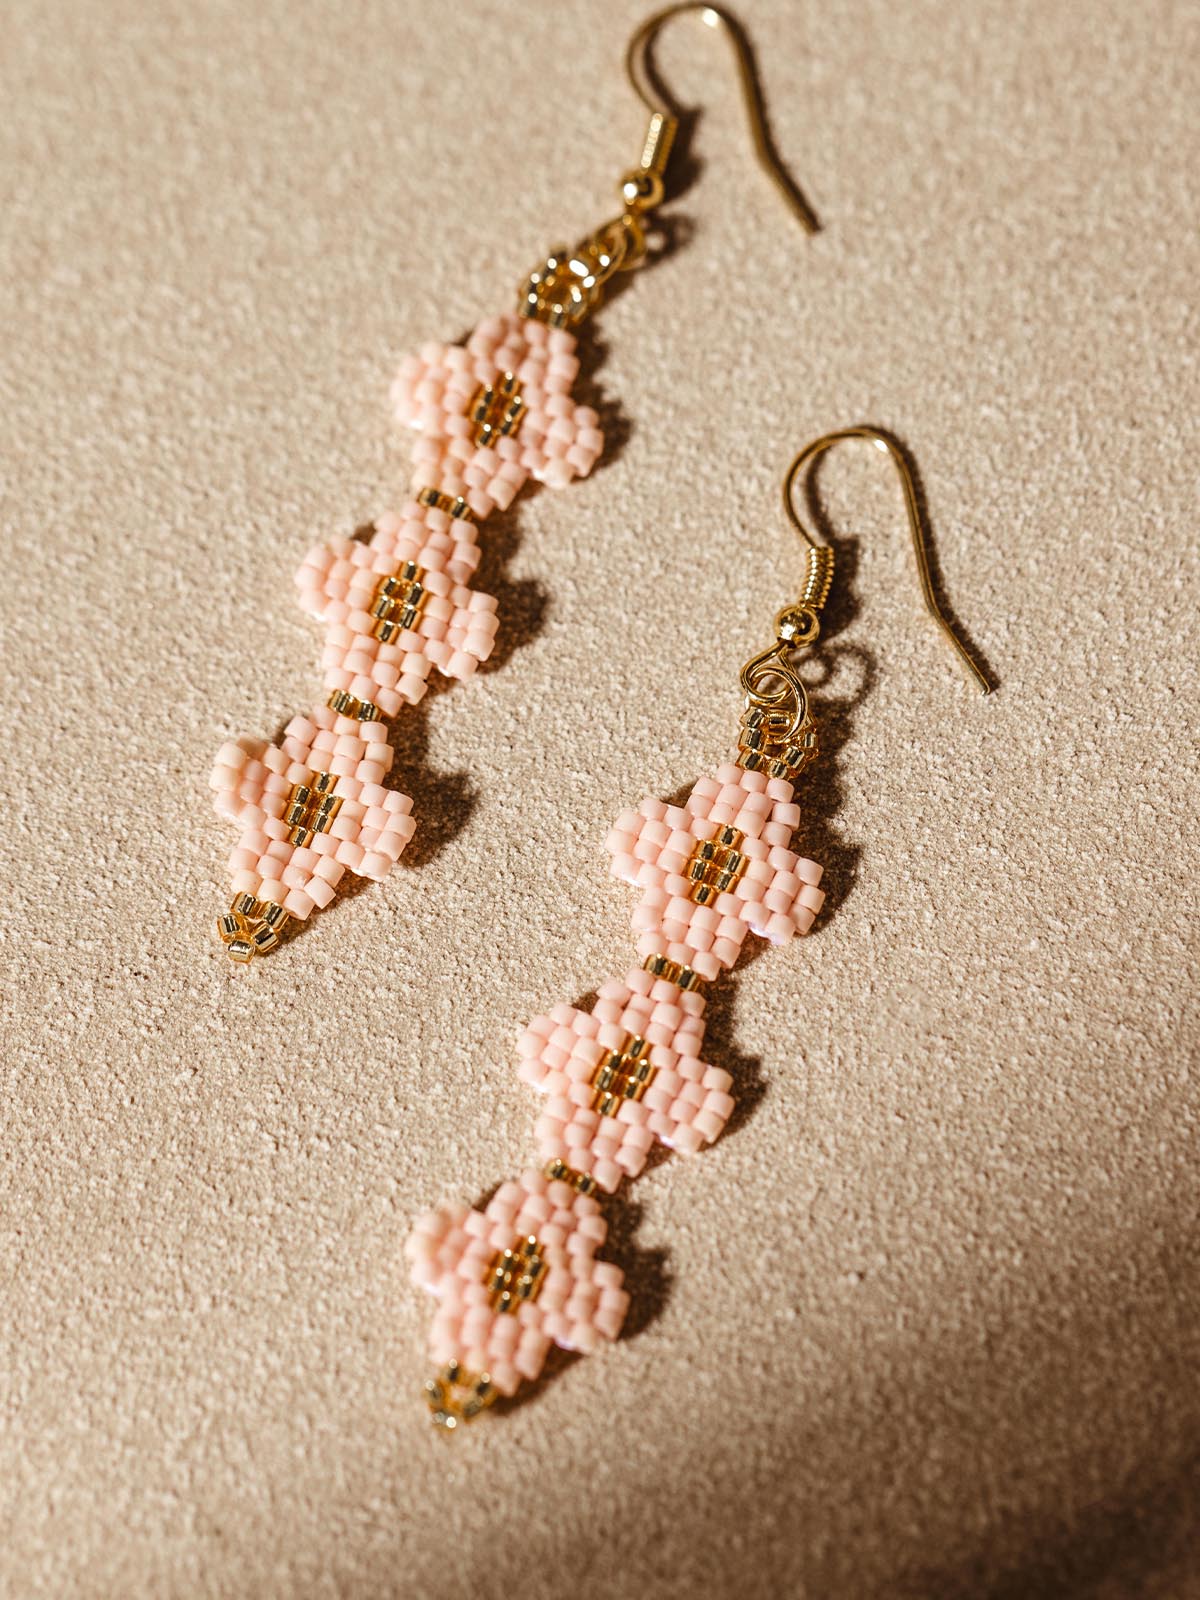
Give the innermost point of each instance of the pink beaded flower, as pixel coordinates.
(517, 1277)
(309, 809)
(579, 1059)
(715, 869)
(491, 413)
(496, 411)
(397, 606)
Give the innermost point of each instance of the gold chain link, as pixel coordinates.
(565, 287)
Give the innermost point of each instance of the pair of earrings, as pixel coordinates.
(522, 1274)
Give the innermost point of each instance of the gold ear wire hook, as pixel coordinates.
(664, 120)
(916, 522)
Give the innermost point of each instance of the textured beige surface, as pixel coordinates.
(926, 1322)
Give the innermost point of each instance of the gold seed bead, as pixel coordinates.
(515, 1275)
(497, 410)
(453, 505)
(251, 927)
(310, 808)
(455, 1395)
(660, 966)
(347, 705)
(397, 601)
(764, 745)
(621, 1075)
(581, 1182)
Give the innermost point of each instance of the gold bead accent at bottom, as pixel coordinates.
(581, 1182)
(682, 977)
(455, 1396)
(251, 927)
(347, 705)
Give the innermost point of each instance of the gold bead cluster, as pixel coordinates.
(515, 1275)
(251, 927)
(660, 966)
(715, 865)
(766, 743)
(581, 1182)
(397, 601)
(311, 807)
(457, 1395)
(497, 410)
(623, 1074)
(452, 504)
(348, 705)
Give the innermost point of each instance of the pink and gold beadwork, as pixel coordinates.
(395, 605)
(491, 413)
(616, 1080)
(579, 1300)
(629, 1073)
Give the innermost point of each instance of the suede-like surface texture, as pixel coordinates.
(925, 1321)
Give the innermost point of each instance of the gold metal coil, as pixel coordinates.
(660, 136)
(818, 576)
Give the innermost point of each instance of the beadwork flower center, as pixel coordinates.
(396, 601)
(311, 807)
(623, 1074)
(516, 1275)
(497, 410)
(715, 865)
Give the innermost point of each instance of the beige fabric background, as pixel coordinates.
(925, 1322)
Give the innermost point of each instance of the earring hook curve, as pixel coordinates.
(916, 523)
(664, 119)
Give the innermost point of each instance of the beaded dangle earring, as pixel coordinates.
(521, 1275)
(491, 414)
